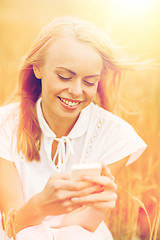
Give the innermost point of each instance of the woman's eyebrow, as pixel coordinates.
(67, 70)
(95, 75)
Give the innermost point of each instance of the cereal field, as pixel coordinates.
(137, 214)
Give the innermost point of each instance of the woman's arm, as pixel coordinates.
(54, 199)
(116, 167)
(10, 187)
(12, 197)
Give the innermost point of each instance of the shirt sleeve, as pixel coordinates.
(122, 141)
(7, 131)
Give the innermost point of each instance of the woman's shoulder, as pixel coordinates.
(108, 118)
(9, 113)
(9, 108)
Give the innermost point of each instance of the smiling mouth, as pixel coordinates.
(69, 103)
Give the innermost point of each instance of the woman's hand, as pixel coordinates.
(104, 199)
(55, 199)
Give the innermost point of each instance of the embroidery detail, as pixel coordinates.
(16, 115)
(17, 118)
(93, 137)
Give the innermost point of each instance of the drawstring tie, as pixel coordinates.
(62, 153)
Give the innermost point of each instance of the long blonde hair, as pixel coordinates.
(29, 132)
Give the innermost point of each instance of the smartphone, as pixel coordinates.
(88, 169)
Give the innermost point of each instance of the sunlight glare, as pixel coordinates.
(135, 6)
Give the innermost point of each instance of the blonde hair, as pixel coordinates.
(29, 132)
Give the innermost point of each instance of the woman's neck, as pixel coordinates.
(60, 126)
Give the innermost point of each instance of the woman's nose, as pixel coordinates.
(76, 88)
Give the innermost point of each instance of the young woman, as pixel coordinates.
(56, 125)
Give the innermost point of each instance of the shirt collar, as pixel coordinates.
(78, 129)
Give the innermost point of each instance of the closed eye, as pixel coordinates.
(64, 78)
(89, 83)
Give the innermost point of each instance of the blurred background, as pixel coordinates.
(134, 24)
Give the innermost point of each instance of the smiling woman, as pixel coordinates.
(75, 85)
(55, 125)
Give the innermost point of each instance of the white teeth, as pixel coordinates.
(69, 103)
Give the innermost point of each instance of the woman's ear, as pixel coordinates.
(37, 72)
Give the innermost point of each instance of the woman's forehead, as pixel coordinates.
(70, 50)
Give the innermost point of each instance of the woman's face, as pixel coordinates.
(69, 78)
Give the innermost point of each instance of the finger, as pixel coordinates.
(103, 207)
(70, 206)
(63, 176)
(70, 185)
(61, 195)
(101, 180)
(105, 196)
(106, 172)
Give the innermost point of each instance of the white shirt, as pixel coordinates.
(97, 136)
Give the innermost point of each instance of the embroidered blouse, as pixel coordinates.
(97, 136)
